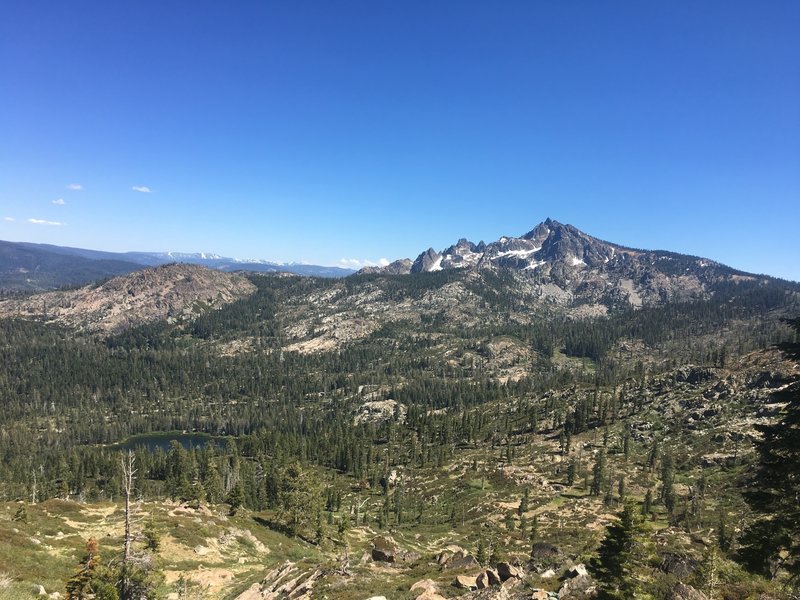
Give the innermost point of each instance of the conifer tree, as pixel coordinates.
(620, 555)
(235, 498)
(772, 542)
(481, 554)
(572, 469)
(81, 585)
(523, 504)
(647, 505)
(598, 474)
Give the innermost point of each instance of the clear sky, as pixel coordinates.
(317, 131)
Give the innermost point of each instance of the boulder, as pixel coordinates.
(428, 595)
(686, 592)
(575, 586)
(487, 578)
(576, 571)
(493, 576)
(543, 550)
(383, 550)
(507, 571)
(540, 595)
(426, 589)
(549, 574)
(482, 581)
(693, 375)
(466, 582)
(491, 593)
(679, 565)
(466, 562)
(39, 590)
(423, 585)
(512, 583)
(442, 558)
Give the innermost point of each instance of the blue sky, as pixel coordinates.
(317, 131)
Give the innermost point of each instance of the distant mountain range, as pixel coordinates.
(32, 267)
(550, 246)
(556, 259)
(553, 273)
(561, 260)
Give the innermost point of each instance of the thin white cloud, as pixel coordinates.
(357, 263)
(75, 187)
(9, 219)
(59, 202)
(141, 188)
(44, 222)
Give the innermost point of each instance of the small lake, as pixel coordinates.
(153, 441)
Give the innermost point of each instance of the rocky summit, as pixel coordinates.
(580, 266)
(170, 292)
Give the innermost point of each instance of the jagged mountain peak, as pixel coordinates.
(430, 260)
(562, 261)
(549, 241)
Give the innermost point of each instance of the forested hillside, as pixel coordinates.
(416, 420)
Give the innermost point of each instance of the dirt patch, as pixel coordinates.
(99, 525)
(208, 552)
(213, 580)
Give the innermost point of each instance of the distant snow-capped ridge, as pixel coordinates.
(193, 255)
(210, 256)
(561, 260)
(225, 263)
(550, 245)
(548, 242)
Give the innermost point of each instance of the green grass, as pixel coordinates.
(25, 561)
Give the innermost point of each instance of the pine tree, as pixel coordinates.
(708, 575)
(480, 554)
(235, 498)
(80, 585)
(620, 555)
(772, 542)
(598, 474)
(626, 445)
(534, 530)
(495, 554)
(509, 522)
(647, 505)
(152, 536)
(523, 504)
(572, 469)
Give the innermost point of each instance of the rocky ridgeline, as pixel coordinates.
(169, 292)
(583, 267)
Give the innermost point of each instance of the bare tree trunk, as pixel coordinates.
(128, 473)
